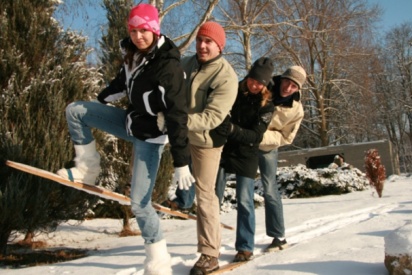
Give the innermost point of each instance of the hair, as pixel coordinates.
(131, 50)
(265, 92)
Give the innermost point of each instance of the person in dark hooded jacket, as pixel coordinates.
(153, 81)
(250, 117)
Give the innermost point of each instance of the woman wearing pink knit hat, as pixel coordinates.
(153, 81)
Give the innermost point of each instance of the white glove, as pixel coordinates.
(161, 122)
(183, 177)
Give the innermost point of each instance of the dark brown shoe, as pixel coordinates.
(277, 245)
(243, 256)
(205, 265)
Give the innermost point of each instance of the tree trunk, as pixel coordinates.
(28, 238)
(4, 237)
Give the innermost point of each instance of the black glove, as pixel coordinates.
(220, 133)
(233, 129)
(224, 128)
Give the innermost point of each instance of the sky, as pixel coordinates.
(339, 235)
(395, 12)
(90, 19)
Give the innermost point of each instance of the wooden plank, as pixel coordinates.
(96, 190)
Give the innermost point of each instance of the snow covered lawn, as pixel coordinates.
(341, 234)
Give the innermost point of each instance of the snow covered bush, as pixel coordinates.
(298, 182)
(301, 182)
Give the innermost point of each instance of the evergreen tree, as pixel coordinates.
(42, 69)
(117, 13)
(117, 158)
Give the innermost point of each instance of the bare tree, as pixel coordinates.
(330, 39)
(184, 19)
(245, 24)
(394, 91)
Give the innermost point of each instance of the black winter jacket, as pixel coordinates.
(250, 121)
(156, 85)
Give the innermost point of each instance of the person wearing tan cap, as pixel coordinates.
(212, 89)
(250, 117)
(281, 131)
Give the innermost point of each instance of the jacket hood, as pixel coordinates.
(167, 48)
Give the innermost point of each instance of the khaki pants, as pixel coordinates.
(205, 164)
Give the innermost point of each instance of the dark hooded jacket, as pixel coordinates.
(155, 85)
(250, 121)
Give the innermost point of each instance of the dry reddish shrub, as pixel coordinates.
(375, 171)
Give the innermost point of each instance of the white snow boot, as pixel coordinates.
(158, 260)
(87, 165)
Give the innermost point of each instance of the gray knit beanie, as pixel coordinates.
(297, 74)
(262, 70)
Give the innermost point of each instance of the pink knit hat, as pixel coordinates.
(215, 32)
(144, 16)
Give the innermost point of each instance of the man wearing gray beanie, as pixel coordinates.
(281, 131)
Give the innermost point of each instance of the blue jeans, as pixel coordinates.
(268, 164)
(246, 221)
(82, 117)
(185, 198)
(220, 184)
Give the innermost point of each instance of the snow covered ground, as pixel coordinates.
(328, 235)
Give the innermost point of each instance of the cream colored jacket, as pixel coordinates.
(283, 127)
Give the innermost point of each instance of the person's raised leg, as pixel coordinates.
(81, 117)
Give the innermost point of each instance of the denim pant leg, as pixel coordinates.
(245, 228)
(145, 165)
(220, 184)
(275, 226)
(82, 116)
(185, 198)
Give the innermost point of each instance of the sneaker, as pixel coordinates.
(205, 265)
(243, 256)
(277, 245)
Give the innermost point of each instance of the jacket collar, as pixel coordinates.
(209, 61)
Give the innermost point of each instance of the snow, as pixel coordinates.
(399, 241)
(343, 234)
